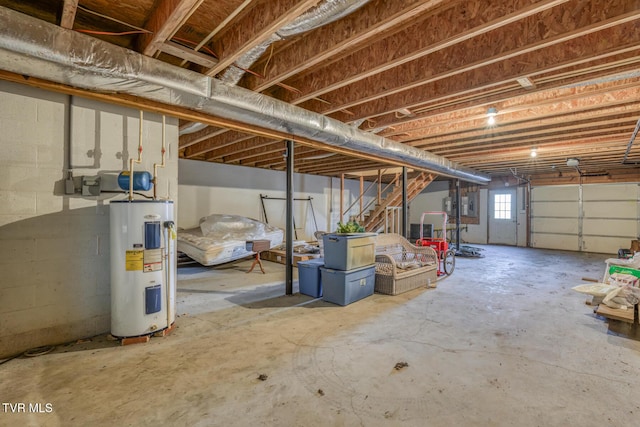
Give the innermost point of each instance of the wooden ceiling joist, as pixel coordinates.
(418, 41)
(232, 148)
(215, 144)
(411, 78)
(604, 43)
(254, 28)
(208, 132)
(255, 147)
(69, 9)
(528, 107)
(537, 123)
(443, 106)
(372, 21)
(167, 18)
(187, 54)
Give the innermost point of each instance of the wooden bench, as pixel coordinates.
(402, 266)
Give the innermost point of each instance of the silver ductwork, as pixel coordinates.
(322, 14)
(32, 47)
(192, 128)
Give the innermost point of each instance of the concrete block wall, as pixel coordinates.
(54, 248)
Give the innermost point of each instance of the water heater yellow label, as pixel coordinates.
(134, 260)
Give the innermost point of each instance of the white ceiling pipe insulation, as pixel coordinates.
(32, 47)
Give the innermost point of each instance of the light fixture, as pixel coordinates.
(491, 114)
(534, 152)
(526, 82)
(573, 162)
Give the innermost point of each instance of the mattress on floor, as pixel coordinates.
(221, 245)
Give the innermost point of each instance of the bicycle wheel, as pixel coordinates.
(449, 261)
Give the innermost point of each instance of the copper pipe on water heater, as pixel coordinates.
(131, 160)
(162, 165)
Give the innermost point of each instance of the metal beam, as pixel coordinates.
(289, 221)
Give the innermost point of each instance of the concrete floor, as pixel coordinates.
(504, 341)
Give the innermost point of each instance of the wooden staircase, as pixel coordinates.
(375, 218)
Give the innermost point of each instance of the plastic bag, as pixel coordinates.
(595, 289)
(622, 297)
(233, 227)
(623, 279)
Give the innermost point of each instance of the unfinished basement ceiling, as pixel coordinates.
(563, 76)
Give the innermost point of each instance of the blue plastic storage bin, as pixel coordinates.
(309, 278)
(349, 251)
(344, 287)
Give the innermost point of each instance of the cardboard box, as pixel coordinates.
(279, 257)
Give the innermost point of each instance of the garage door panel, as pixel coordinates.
(555, 193)
(620, 209)
(555, 225)
(592, 217)
(610, 192)
(554, 241)
(609, 227)
(555, 209)
(605, 245)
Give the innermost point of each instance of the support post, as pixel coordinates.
(458, 204)
(405, 205)
(379, 186)
(361, 216)
(289, 222)
(341, 197)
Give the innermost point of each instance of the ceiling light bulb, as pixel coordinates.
(534, 152)
(491, 114)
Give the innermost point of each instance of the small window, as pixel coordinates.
(502, 206)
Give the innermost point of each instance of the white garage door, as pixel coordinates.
(554, 217)
(610, 219)
(592, 218)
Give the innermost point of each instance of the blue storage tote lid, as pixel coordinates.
(314, 263)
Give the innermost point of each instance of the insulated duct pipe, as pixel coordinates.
(322, 14)
(32, 47)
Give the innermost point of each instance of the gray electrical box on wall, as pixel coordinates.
(472, 204)
(90, 185)
(447, 205)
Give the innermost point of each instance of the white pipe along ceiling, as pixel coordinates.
(29, 46)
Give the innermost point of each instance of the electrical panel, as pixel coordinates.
(472, 204)
(464, 211)
(447, 205)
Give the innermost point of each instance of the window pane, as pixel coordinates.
(502, 206)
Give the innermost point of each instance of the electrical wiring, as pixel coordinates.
(192, 43)
(138, 30)
(84, 9)
(109, 33)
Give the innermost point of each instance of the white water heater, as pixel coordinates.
(143, 267)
